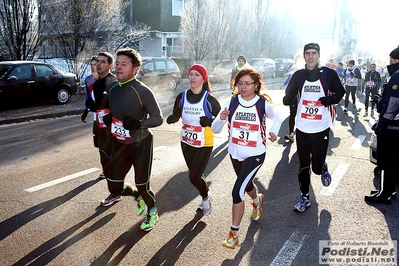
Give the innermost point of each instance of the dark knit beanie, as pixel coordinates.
(311, 45)
(395, 53)
(201, 69)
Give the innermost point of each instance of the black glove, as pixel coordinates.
(379, 130)
(382, 124)
(107, 119)
(326, 101)
(171, 119)
(205, 121)
(91, 105)
(131, 123)
(84, 115)
(375, 98)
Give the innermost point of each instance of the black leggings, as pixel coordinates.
(245, 171)
(352, 91)
(139, 155)
(291, 121)
(370, 92)
(197, 159)
(311, 148)
(104, 147)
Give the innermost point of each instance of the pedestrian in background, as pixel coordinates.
(298, 64)
(134, 109)
(351, 76)
(387, 131)
(241, 64)
(98, 103)
(197, 108)
(318, 90)
(246, 113)
(372, 83)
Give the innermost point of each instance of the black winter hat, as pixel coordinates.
(311, 45)
(395, 53)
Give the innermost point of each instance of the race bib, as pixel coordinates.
(349, 80)
(244, 134)
(370, 83)
(192, 135)
(311, 110)
(100, 114)
(119, 131)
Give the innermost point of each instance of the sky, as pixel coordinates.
(377, 29)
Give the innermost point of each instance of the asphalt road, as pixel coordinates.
(50, 199)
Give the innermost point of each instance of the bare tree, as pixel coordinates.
(223, 29)
(21, 32)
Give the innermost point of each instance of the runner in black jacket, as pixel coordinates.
(316, 89)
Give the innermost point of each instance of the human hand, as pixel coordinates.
(326, 101)
(224, 114)
(107, 119)
(205, 121)
(272, 137)
(131, 123)
(84, 115)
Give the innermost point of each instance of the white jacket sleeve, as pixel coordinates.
(217, 124)
(275, 118)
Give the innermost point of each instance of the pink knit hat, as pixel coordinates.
(201, 69)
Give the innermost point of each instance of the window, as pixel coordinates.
(170, 64)
(160, 65)
(43, 71)
(149, 67)
(177, 6)
(22, 72)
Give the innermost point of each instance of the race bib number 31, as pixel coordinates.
(245, 134)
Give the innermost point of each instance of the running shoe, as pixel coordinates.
(150, 220)
(302, 205)
(232, 240)
(141, 207)
(289, 137)
(201, 205)
(111, 199)
(257, 211)
(325, 176)
(101, 176)
(345, 110)
(365, 114)
(207, 205)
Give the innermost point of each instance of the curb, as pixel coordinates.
(41, 116)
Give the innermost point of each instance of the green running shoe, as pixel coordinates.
(141, 207)
(150, 220)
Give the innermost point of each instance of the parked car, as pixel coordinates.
(29, 80)
(159, 72)
(221, 72)
(265, 66)
(282, 65)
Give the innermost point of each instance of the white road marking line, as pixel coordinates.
(336, 177)
(70, 177)
(61, 180)
(358, 142)
(289, 250)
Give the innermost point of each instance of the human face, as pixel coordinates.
(102, 66)
(311, 58)
(124, 68)
(93, 66)
(240, 62)
(393, 61)
(196, 80)
(246, 87)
